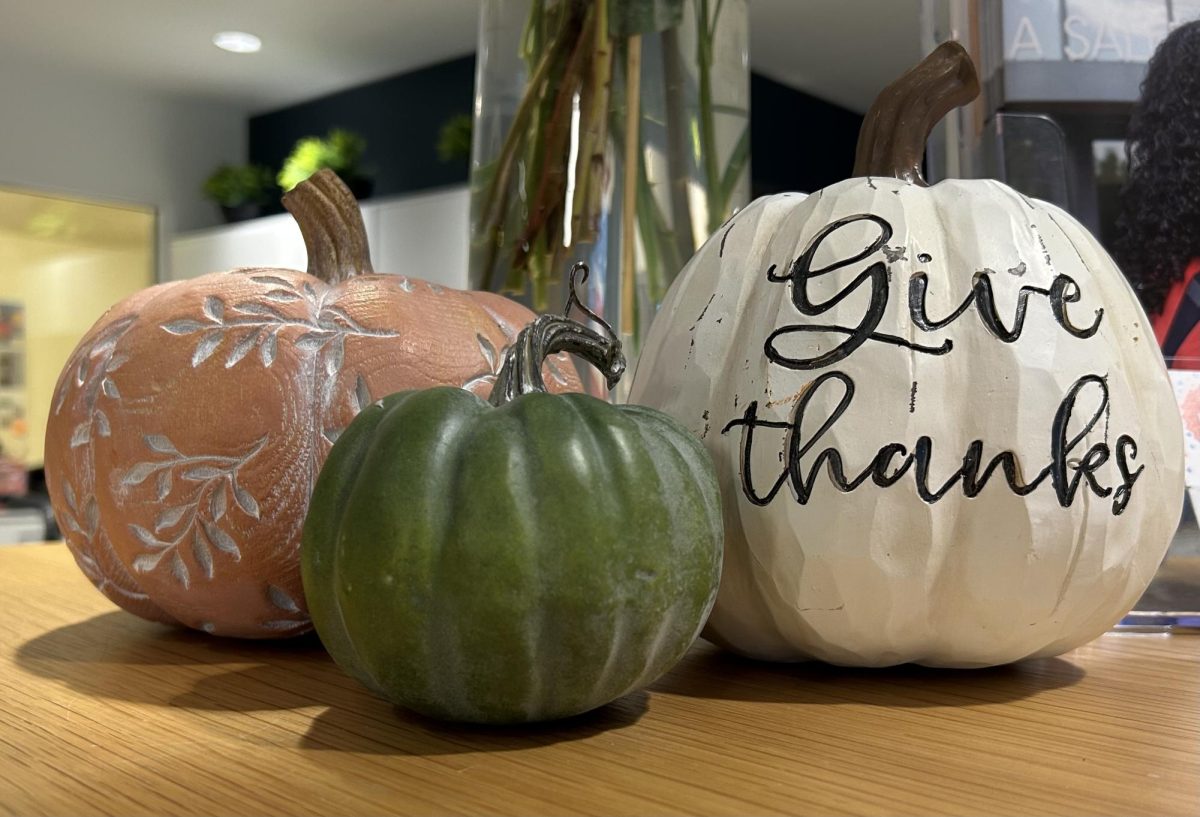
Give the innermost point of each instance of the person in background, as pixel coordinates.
(1158, 230)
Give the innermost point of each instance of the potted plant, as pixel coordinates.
(240, 190)
(340, 150)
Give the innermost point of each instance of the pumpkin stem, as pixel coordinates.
(896, 128)
(546, 335)
(332, 226)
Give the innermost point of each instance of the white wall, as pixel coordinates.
(423, 235)
(69, 133)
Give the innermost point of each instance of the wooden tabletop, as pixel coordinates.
(101, 713)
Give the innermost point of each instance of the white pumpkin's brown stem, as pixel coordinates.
(332, 226)
(896, 128)
(546, 335)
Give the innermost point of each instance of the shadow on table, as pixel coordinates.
(117, 655)
(710, 672)
(373, 726)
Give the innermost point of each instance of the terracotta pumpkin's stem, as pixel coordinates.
(896, 128)
(521, 372)
(332, 226)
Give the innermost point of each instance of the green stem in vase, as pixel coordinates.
(593, 133)
(707, 125)
(493, 210)
(546, 206)
(677, 143)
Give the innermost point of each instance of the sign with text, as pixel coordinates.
(1090, 30)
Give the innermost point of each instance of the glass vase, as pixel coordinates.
(614, 132)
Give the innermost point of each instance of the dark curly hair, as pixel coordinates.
(1158, 230)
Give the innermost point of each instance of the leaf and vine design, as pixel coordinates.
(256, 324)
(288, 606)
(211, 488)
(359, 398)
(93, 370)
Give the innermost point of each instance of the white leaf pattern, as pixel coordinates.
(262, 310)
(169, 518)
(214, 308)
(159, 443)
(311, 341)
(267, 350)
(216, 505)
(183, 327)
(147, 561)
(147, 538)
(138, 473)
(200, 473)
(336, 356)
(202, 554)
(102, 426)
(110, 388)
(82, 434)
(272, 280)
(488, 350)
(281, 599)
(179, 570)
(205, 348)
(184, 521)
(245, 501)
(163, 488)
(222, 540)
(242, 348)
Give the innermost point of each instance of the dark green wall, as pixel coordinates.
(798, 142)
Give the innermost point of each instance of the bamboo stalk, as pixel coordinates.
(633, 120)
(552, 184)
(593, 136)
(677, 139)
(707, 124)
(493, 210)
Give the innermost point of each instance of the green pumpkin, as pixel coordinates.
(522, 561)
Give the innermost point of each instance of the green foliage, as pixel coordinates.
(341, 151)
(231, 185)
(454, 140)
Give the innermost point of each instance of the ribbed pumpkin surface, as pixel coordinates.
(510, 564)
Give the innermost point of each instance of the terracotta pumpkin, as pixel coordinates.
(943, 429)
(189, 425)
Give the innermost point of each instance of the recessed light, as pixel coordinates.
(239, 42)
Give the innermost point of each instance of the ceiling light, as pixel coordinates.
(239, 42)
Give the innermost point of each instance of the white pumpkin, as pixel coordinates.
(943, 429)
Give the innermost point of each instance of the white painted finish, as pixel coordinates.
(763, 326)
(423, 236)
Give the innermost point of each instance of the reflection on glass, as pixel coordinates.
(1113, 30)
(1032, 30)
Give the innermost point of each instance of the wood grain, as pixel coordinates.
(101, 712)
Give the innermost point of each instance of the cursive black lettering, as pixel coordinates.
(1066, 472)
(874, 276)
(1063, 290)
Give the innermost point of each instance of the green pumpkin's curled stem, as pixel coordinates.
(332, 226)
(521, 372)
(896, 128)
